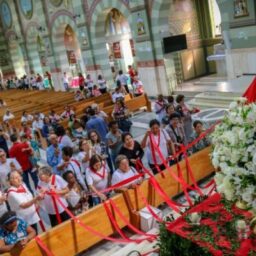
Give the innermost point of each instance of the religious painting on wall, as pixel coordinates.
(43, 60)
(27, 8)
(83, 37)
(71, 57)
(116, 23)
(240, 8)
(6, 15)
(117, 50)
(132, 47)
(140, 25)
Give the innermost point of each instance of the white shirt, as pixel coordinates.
(138, 86)
(37, 124)
(77, 170)
(117, 95)
(159, 109)
(65, 79)
(65, 141)
(5, 169)
(164, 137)
(8, 117)
(119, 176)
(15, 199)
(80, 156)
(102, 114)
(102, 83)
(100, 183)
(47, 202)
(26, 118)
(3, 208)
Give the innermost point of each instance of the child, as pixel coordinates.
(79, 96)
(95, 91)
(138, 87)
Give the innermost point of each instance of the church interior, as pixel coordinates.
(128, 127)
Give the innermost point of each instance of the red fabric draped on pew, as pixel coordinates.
(250, 93)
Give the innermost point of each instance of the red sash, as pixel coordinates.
(60, 139)
(98, 174)
(160, 103)
(155, 147)
(76, 162)
(21, 189)
(54, 199)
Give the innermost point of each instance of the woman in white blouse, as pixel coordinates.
(49, 182)
(22, 201)
(98, 178)
(123, 172)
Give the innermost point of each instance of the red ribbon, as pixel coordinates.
(98, 173)
(40, 221)
(133, 228)
(43, 246)
(154, 147)
(53, 199)
(117, 228)
(87, 228)
(148, 206)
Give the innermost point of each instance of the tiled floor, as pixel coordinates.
(238, 85)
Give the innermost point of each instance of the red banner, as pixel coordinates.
(117, 50)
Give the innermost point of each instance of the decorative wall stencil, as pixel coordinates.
(6, 15)
(26, 7)
(56, 2)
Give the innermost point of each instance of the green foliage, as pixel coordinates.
(173, 245)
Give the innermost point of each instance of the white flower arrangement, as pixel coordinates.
(234, 153)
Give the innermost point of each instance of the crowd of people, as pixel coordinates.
(83, 159)
(87, 87)
(34, 82)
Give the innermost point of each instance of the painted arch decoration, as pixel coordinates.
(26, 7)
(6, 15)
(56, 2)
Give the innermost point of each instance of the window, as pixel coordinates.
(216, 17)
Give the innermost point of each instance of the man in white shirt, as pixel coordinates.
(70, 164)
(26, 117)
(6, 166)
(123, 80)
(65, 81)
(117, 94)
(99, 112)
(37, 123)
